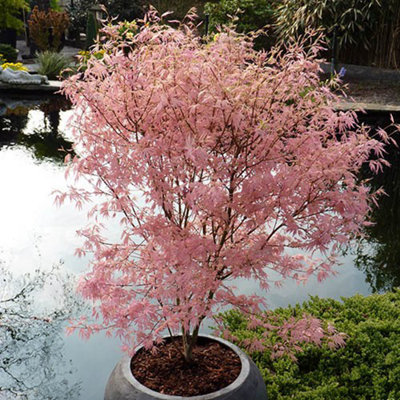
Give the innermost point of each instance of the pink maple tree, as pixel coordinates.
(220, 162)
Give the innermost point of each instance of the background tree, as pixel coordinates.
(220, 162)
(10, 16)
(11, 20)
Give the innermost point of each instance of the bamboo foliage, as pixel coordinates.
(366, 31)
(351, 19)
(387, 46)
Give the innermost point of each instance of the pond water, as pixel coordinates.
(44, 363)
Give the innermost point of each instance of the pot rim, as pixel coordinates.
(244, 372)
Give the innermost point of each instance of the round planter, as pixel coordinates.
(122, 385)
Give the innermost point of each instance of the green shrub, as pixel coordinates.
(52, 64)
(8, 52)
(367, 368)
(251, 16)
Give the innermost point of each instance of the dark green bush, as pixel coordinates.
(367, 368)
(125, 9)
(8, 52)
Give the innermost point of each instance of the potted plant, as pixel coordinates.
(216, 159)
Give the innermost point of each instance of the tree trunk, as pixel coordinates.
(189, 341)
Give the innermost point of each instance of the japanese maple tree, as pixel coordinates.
(220, 162)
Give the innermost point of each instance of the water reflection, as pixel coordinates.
(10, 127)
(378, 256)
(33, 309)
(45, 140)
(36, 234)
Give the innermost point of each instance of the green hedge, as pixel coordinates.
(367, 368)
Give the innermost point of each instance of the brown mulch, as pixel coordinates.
(215, 367)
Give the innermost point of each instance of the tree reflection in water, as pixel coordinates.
(31, 328)
(46, 143)
(378, 255)
(34, 308)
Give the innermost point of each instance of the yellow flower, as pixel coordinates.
(15, 66)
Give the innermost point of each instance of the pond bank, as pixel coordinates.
(51, 87)
(346, 105)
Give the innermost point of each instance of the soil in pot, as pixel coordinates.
(214, 367)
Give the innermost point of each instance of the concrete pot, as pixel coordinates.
(248, 385)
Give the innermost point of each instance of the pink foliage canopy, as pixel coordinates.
(220, 162)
